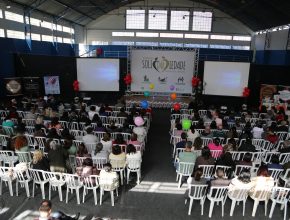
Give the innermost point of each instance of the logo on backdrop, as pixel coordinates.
(180, 81)
(162, 80)
(146, 79)
(163, 64)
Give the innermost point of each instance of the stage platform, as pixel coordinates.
(157, 101)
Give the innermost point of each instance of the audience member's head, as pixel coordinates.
(183, 136)
(88, 162)
(205, 153)
(116, 150)
(131, 149)
(45, 209)
(275, 159)
(197, 174)
(197, 143)
(99, 147)
(263, 171)
(133, 137)
(247, 157)
(37, 156)
(188, 145)
(107, 137)
(245, 176)
(220, 173)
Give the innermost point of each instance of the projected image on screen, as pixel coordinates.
(225, 78)
(98, 74)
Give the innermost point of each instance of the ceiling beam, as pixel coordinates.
(74, 9)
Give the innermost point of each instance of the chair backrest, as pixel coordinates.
(64, 124)
(197, 191)
(240, 168)
(24, 156)
(268, 156)
(80, 161)
(202, 112)
(206, 141)
(8, 130)
(258, 143)
(77, 143)
(262, 193)
(134, 164)
(217, 193)
(72, 180)
(257, 157)
(276, 173)
(267, 146)
(239, 193)
(174, 116)
(30, 129)
(282, 135)
(38, 176)
(74, 126)
(284, 158)
(91, 181)
(280, 194)
(29, 122)
(55, 178)
(117, 165)
(216, 153)
(238, 155)
(99, 162)
(185, 168)
(175, 139)
(4, 139)
(90, 147)
(21, 175)
(207, 170)
(41, 142)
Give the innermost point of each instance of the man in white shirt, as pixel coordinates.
(90, 138)
(257, 131)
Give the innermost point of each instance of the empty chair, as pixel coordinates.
(217, 194)
(91, 183)
(39, 178)
(23, 178)
(284, 158)
(8, 130)
(281, 196)
(6, 175)
(73, 182)
(197, 192)
(268, 156)
(56, 181)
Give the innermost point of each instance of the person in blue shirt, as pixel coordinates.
(181, 144)
(275, 163)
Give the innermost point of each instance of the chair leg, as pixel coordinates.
(128, 175)
(95, 196)
(60, 193)
(78, 195)
(117, 192)
(244, 206)
(27, 189)
(179, 182)
(232, 207)
(190, 206)
(17, 188)
(33, 188)
(49, 191)
(285, 210)
(223, 207)
(256, 203)
(66, 199)
(272, 208)
(211, 208)
(1, 187)
(122, 176)
(84, 194)
(138, 177)
(202, 205)
(101, 195)
(42, 191)
(112, 198)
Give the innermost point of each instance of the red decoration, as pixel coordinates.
(99, 51)
(176, 106)
(128, 79)
(195, 81)
(76, 86)
(246, 92)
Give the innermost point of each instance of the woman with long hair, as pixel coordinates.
(39, 162)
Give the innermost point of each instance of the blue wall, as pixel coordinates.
(273, 57)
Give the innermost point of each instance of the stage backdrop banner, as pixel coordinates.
(31, 86)
(51, 85)
(169, 71)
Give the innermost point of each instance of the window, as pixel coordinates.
(171, 35)
(72, 31)
(147, 34)
(218, 46)
(170, 44)
(196, 36)
(157, 19)
(35, 37)
(47, 38)
(66, 29)
(129, 43)
(15, 34)
(83, 50)
(201, 21)
(35, 22)
(135, 19)
(151, 44)
(100, 43)
(1, 15)
(196, 45)
(179, 20)
(46, 24)
(14, 17)
(123, 34)
(59, 39)
(242, 38)
(241, 47)
(2, 33)
(220, 37)
(67, 40)
(58, 27)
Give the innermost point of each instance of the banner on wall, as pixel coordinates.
(13, 86)
(31, 86)
(168, 71)
(51, 85)
(273, 92)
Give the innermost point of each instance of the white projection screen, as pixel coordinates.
(225, 78)
(98, 74)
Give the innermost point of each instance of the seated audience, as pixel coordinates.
(119, 139)
(220, 179)
(192, 134)
(215, 145)
(82, 151)
(197, 144)
(247, 160)
(231, 145)
(247, 146)
(107, 143)
(70, 147)
(117, 157)
(187, 156)
(100, 153)
(207, 132)
(243, 181)
(133, 140)
(90, 138)
(132, 153)
(275, 164)
(178, 130)
(39, 162)
(205, 158)
(181, 144)
(57, 157)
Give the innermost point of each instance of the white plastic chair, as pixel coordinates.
(217, 194)
(197, 192)
(216, 153)
(261, 194)
(8, 157)
(268, 156)
(56, 181)
(39, 178)
(202, 112)
(4, 139)
(275, 173)
(206, 141)
(73, 182)
(207, 170)
(119, 168)
(108, 184)
(99, 162)
(134, 166)
(40, 142)
(31, 140)
(8, 130)
(91, 183)
(183, 169)
(282, 135)
(285, 178)
(284, 158)
(6, 175)
(238, 195)
(23, 178)
(24, 157)
(281, 196)
(240, 168)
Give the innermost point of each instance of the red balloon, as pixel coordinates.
(128, 79)
(176, 106)
(195, 81)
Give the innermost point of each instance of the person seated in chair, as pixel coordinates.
(220, 179)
